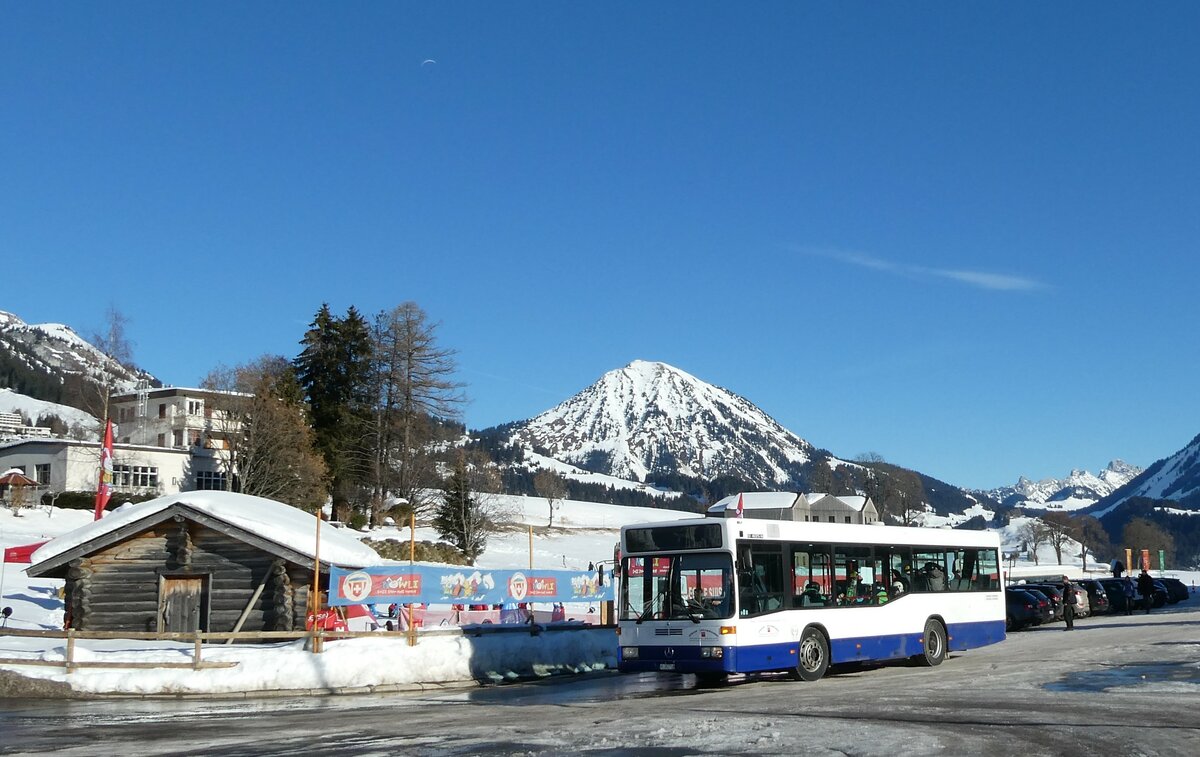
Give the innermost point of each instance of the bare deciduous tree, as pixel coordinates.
(114, 342)
(1033, 532)
(1091, 536)
(1059, 530)
(414, 389)
(263, 438)
(551, 485)
(1140, 533)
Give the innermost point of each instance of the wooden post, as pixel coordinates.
(196, 653)
(316, 589)
(70, 649)
(531, 547)
(412, 556)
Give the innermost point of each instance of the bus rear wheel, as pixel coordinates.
(813, 655)
(934, 642)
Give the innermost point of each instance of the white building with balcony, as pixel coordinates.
(164, 441)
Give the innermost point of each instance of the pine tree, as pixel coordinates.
(334, 370)
(460, 518)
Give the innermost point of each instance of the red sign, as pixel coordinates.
(660, 567)
(542, 587)
(390, 585)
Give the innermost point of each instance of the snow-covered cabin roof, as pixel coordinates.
(755, 501)
(780, 501)
(275, 522)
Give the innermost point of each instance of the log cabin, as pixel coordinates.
(195, 561)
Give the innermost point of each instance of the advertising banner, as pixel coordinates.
(422, 584)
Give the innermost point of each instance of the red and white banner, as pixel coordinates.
(104, 485)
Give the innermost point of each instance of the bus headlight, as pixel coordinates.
(629, 653)
(712, 652)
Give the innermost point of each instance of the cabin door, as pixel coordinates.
(181, 604)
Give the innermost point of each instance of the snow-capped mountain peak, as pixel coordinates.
(54, 353)
(1080, 489)
(652, 417)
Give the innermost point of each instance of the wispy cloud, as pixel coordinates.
(981, 279)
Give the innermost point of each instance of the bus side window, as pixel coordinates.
(761, 588)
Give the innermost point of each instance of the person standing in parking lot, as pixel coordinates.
(1069, 600)
(1129, 595)
(1146, 587)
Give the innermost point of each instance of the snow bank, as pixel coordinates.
(349, 664)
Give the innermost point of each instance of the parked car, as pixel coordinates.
(1083, 603)
(1115, 588)
(1162, 595)
(1097, 596)
(1053, 594)
(1022, 610)
(1177, 588)
(1044, 605)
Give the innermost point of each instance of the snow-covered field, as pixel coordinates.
(583, 533)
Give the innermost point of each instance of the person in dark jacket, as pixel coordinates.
(1145, 585)
(1069, 600)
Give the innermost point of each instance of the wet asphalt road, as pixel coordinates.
(1119, 685)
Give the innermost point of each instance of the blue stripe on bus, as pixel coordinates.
(782, 656)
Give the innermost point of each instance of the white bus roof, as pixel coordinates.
(842, 533)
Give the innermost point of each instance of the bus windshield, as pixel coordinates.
(696, 586)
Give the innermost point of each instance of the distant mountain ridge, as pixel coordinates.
(1080, 488)
(51, 362)
(651, 418)
(1173, 479)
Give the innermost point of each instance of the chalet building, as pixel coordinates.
(166, 441)
(173, 418)
(199, 561)
(812, 508)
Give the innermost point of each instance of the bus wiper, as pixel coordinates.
(650, 607)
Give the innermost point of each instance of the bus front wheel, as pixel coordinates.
(814, 655)
(934, 642)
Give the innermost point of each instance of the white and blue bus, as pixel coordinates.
(720, 595)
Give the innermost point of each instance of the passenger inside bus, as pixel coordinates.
(812, 596)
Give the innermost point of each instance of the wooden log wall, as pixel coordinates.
(118, 589)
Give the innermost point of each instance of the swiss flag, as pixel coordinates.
(740, 509)
(104, 486)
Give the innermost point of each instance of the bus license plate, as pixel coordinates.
(666, 666)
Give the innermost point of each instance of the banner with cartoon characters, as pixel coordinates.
(464, 585)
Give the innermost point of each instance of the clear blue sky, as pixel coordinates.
(960, 235)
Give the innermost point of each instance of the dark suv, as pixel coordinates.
(1097, 596)
(1022, 609)
(1178, 589)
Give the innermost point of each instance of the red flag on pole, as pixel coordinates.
(740, 509)
(104, 486)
